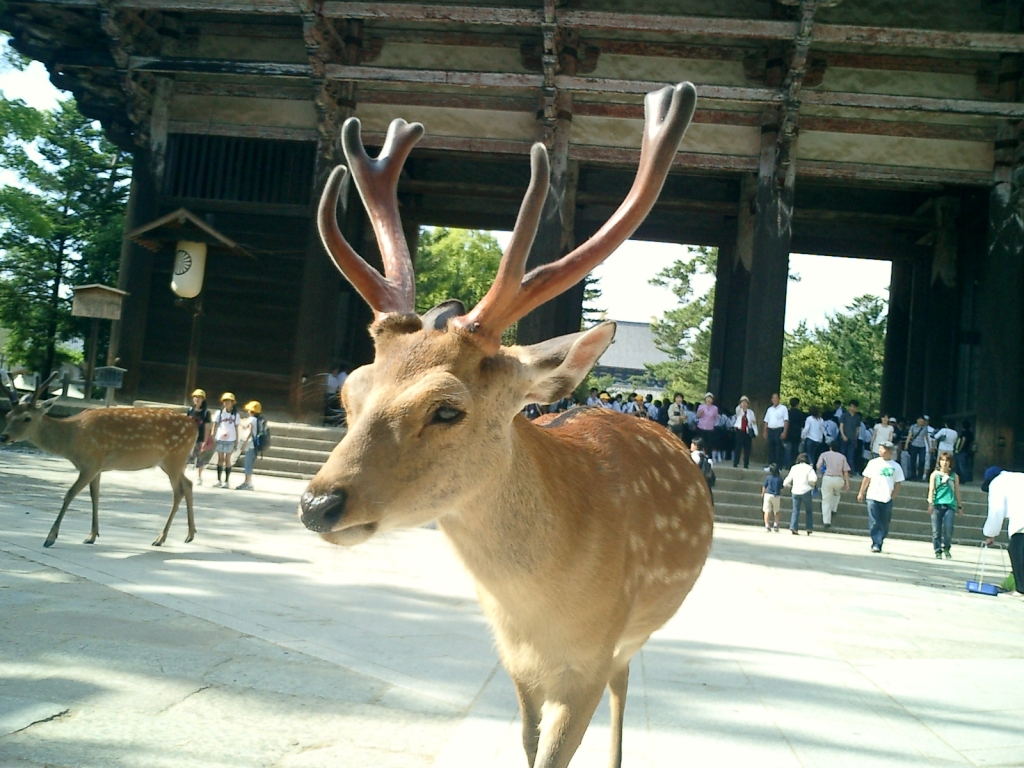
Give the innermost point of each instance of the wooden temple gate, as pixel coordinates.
(886, 130)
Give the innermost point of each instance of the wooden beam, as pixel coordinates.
(435, 77)
(249, 131)
(517, 81)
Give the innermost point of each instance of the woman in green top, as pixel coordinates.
(943, 503)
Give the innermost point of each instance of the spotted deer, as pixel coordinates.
(100, 439)
(583, 534)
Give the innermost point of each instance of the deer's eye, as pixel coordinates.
(447, 415)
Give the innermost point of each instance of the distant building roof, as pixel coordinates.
(632, 349)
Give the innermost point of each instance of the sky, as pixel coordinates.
(826, 286)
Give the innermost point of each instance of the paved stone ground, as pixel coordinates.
(260, 645)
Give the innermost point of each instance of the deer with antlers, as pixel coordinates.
(583, 534)
(100, 439)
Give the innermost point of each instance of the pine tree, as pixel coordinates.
(60, 225)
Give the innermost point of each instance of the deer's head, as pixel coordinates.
(24, 418)
(429, 420)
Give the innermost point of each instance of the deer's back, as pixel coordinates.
(133, 438)
(639, 513)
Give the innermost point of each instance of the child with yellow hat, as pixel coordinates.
(252, 428)
(225, 431)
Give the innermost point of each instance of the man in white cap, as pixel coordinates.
(1006, 502)
(881, 483)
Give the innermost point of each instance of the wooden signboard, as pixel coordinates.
(98, 301)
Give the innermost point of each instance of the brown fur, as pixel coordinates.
(583, 536)
(98, 440)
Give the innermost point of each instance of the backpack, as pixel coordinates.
(261, 436)
(707, 470)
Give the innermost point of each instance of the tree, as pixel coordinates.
(857, 338)
(60, 225)
(810, 370)
(684, 333)
(455, 264)
(840, 361)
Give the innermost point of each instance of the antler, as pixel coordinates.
(377, 182)
(8, 385)
(667, 114)
(42, 388)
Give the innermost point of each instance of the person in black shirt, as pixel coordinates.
(796, 425)
(849, 431)
(962, 456)
(200, 414)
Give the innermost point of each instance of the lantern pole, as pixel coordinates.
(90, 368)
(193, 348)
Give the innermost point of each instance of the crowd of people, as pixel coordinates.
(227, 433)
(790, 431)
(820, 450)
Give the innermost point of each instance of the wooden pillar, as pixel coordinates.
(135, 275)
(917, 340)
(732, 296)
(556, 237)
(897, 331)
(769, 276)
(318, 310)
(942, 312)
(1000, 325)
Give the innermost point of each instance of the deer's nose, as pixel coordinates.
(321, 513)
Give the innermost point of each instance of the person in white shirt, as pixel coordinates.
(594, 400)
(1006, 502)
(881, 484)
(677, 415)
(945, 438)
(882, 433)
(745, 427)
(813, 435)
(776, 421)
(801, 480)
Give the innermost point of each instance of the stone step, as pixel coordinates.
(852, 523)
(973, 514)
(305, 431)
(969, 493)
(301, 443)
(296, 454)
(268, 465)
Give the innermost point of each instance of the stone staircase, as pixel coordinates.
(297, 450)
(738, 500)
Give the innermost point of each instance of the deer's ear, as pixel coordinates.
(554, 368)
(46, 405)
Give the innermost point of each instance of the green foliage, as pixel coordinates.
(60, 226)
(684, 333)
(592, 314)
(843, 360)
(454, 264)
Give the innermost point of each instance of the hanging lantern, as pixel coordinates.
(189, 268)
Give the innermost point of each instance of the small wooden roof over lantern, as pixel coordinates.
(98, 301)
(192, 238)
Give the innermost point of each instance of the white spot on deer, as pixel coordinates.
(675, 472)
(636, 543)
(643, 485)
(660, 522)
(636, 487)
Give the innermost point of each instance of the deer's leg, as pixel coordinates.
(567, 714)
(617, 685)
(94, 493)
(186, 489)
(530, 703)
(84, 478)
(176, 486)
